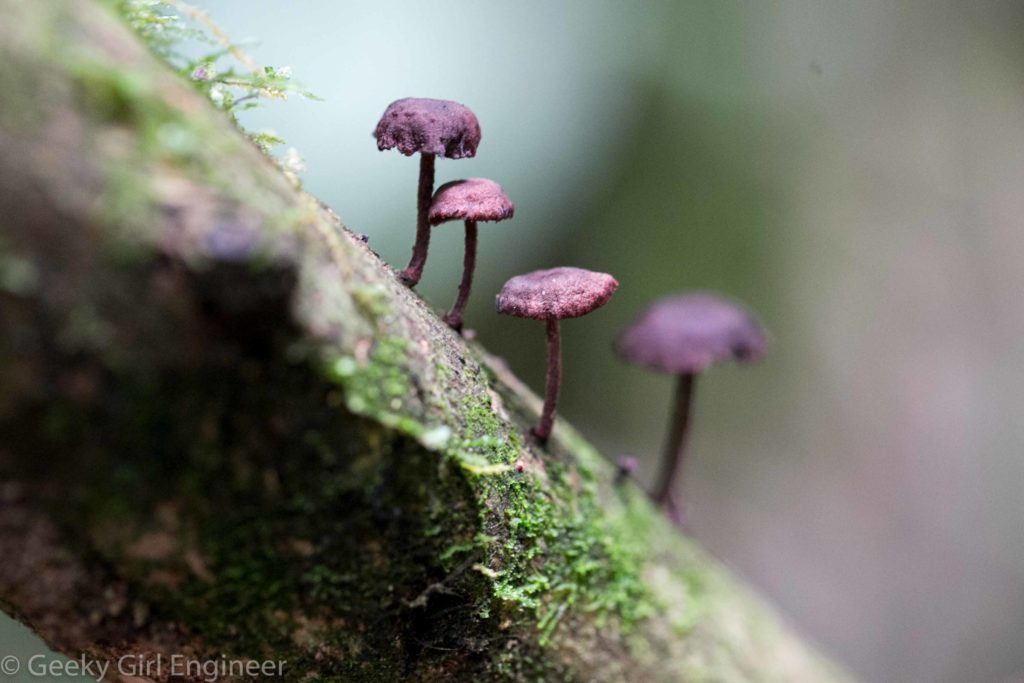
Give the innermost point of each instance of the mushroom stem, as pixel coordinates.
(554, 377)
(454, 316)
(412, 274)
(675, 449)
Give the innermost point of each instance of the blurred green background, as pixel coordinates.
(852, 171)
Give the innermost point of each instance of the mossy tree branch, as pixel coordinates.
(226, 427)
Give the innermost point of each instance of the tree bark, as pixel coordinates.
(226, 428)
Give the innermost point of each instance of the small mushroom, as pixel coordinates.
(625, 466)
(683, 335)
(552, 295)
(473, 200)
(430, 128)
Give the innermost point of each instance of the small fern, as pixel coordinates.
(226, 74)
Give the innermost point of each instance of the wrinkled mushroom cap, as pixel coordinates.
(687, 333)
(475, 199)
(556, 293)
(442, 127)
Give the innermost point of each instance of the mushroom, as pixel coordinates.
(683, 335)
(625, 466)
(552, 295)
(472, 200)
(431, 128)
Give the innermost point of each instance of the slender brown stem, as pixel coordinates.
(412, 274)
(554, 377)
(454, 316)
(675, 449)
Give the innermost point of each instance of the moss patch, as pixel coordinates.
(548, 547)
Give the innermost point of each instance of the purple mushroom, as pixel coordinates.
(552, 295)
(472, 201)
(683, 335)
(625, 466)
(430, 128)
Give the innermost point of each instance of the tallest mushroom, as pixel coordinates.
(431, 128)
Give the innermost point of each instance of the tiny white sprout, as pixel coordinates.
(437, 437)
(293, 161)
(217, 94)
(345, 366)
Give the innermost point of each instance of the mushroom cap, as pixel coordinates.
(687, 333)
(475, 199)
(416, 124)
(556, 293)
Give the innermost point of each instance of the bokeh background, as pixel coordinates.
(854, 172)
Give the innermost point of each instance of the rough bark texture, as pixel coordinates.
(226, 427)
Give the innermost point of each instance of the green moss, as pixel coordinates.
(556, 556)
(18, 275)
(372, 300)
(379, 386)
(85, 329)
(553, 554)
(115, 93)
(695, 607)
(121, 96)
(556, 551)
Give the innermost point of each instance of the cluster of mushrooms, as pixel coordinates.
(681, 335)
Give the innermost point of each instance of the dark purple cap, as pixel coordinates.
(475, 199)
(442, 127)
(556, 293)
(687, 333)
